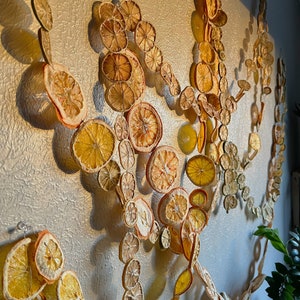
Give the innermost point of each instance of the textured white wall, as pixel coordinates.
(40, 184)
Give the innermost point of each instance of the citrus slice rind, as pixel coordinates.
(66, 95)
(93, 145)
(162, 169)
(109, 175)
(48, 257)
(69, 287)
(43, 13)
(145, 127)
(21, 279)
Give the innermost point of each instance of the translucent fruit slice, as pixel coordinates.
(20, 276)
(201, 141)
(116, 67)
(198, 197)
(66, 95)
(198, 219)
(198, 26)
(126, 154)
(129, 246)
(49, 257)
(93, 145)
(204, 77)
(145, 35)
(183, 282)
(162, 168)
(109, 175)
(145, 127)
(187, 138)
(154, 59)
(165, 238)
(131, 274)
(69, 287)
(43, 13)
(145, 218)
(200, 169)
(135, 293)
(131, 13)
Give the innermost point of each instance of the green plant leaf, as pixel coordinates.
(288, 260)
(282, 269)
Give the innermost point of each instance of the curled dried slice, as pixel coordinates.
(183, 282)
(198, 26)
(145, 127)
(212, 7)
(69, 287)
(108, 10)
(109, 175)
(66, 95)
(129, 246)
(45, 44)
(93, 145)
(135, 293)
(173, 207)
(130, 214)
(195, 251)
(187, 138)
(175, 245)
(230, 202)
(145, 218)
(200, 169)
(131, 13)
(43, 13)
(116, 67)
(204, 77)
(127, 184)
(131, 274)
(201, 140)
(187, 98)
(145, 35)
(126, 154)
(162, 168)
(121, 128)
(155, 230)
(220, 18)
(154, 59)
(48, 257)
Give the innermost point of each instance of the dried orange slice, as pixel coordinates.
(201, 141)
(207, 53)
(135, 293)
(130, 215)
(21, 279)
(200, 169)
(113, 35)
(212, 7)
(121, 128)
(131, 13)
(204, 77)
(43, 13)
(126, 154)
(127, 184)
(175, 245)
(108, 10)
(187, 98)
(198, 26)
(187, 235)
(48, 257)
(131, 274)
(187, 138)
(197, 218)
(66, 95)
(116, 67)
(183, 282)
(145, 218)
(173, 207)
(154, 59)
(220, 18)
(45, 44)
(93, 145)
(198, 197)
(129, 246)
(145, 35)
(145, 127)
(109, 175)
(162, 168)
(69, 287)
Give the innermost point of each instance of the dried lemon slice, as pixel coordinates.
(154, 59)
(145, 218)
(120, 96)
(129, 246)
(66, 95)
(200, 169)
(69, 287)
(198, 197)
(113, 35)
(187, 98)
(48, 257)
(230, 202)
(183, 282)
(145, 127)
(187, 138)
(145, 36)
(198, 26)
(121, 128)
(116, 67)
(155, 230)
(173, 207)
(131, 274)
(204, 78)
(131, 13)
(93, 145)
(130, 213)
(43, 13)
(109, 175)
(197, 218)
(20, 276)
(127, 184)
(135, 293)
(126, 154)
(165, 238)
(162, 168)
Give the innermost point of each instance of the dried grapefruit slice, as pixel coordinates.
(21, 279)
(43, 13)
(109, 175)
(69, 287)
(131, 13)
(154, 59)
(187, 138)
(93, 145)
(145, 127)
(145, 218)
(145, 35)
(48, 257)
(200, 169)
(129, 246)
(66, 95)
(162, 168)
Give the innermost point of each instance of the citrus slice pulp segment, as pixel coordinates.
(120, 96)
(121, 128)
(145, 127)
(162, 168)
(183, 282)
(131, 274)
(200, 169)
(187, 138)
(198, 219)
(131, 13)
(145, 35)
(126, 154)
(109, 175)
(145, 219)
(129, 246)
(49, 257)
(154, 59)
(113, 35)
(116, 67)
(20, 276)
(198, 197)
(173, 207)
(127, 184)
(66, 95)
(93, 145)
(43, 13)
(69, 287)
(136, 293)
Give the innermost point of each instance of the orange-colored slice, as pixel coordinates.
(198, 26)
(145, 35)
(198, 219)
(183, 282)
(204, 77)
(69, 287)
(187, 98)
(43, 13)
(201, 141)
(187, 138)
(108, 10)
(198, 197)
(131, 13)
(154, 59)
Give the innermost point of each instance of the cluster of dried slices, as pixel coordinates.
(34, 269)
